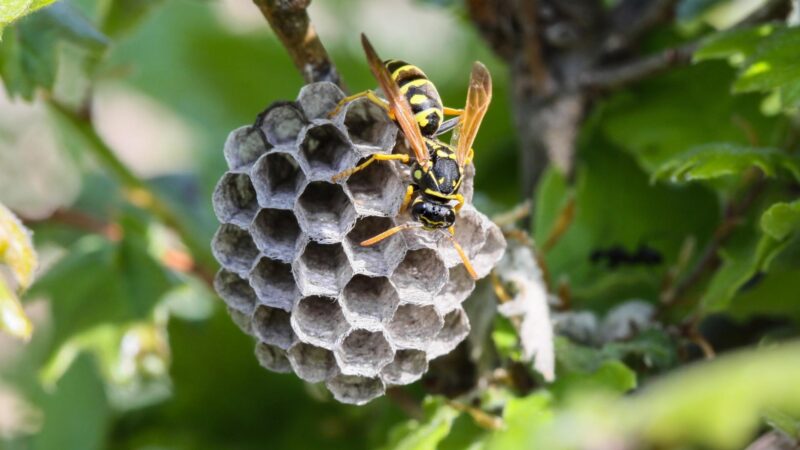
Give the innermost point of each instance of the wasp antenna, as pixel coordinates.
(387, 233)
(464, 258)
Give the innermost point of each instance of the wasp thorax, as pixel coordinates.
(294, 273)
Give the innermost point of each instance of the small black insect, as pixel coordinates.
(618, 256)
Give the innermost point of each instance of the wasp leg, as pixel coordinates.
(460, 199)
(470, 155)
(379, 157)
(370, 95)
(407, 198)
(452, 111)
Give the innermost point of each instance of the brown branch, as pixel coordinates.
(290, 21)
(632, 19)
(606, 78)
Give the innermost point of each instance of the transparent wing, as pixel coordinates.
(478, 98)
(397, 102)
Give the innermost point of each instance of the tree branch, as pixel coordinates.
(605, 78)
(290, 21)
(633, 18)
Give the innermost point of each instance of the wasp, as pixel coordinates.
(437, 169)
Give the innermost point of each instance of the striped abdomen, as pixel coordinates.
(421, 94)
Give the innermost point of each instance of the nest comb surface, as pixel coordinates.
(293, 273)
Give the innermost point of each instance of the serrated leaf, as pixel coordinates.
(735, 45)
(425, 434)
(13, 319)
(16, 248)
(775, 63)
(721, 159)
(781, 219)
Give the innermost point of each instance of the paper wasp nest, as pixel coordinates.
(293, 273)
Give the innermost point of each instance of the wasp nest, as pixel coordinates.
(293, 273)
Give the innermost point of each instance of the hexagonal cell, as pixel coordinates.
(324, 212)
(243, 147)
(368, 124)
(272, 358)
(420, 276)
(355, 390)
(459, 285)
(379, 259)
(377, 190)
(310, 363)
(319, 321)
(281, 123)
(364, 353)
(326, 152)
(470, 234)
(242, 321)
(369, 302)
(418, 238)
(234, 249)
(491, 251)
(278, 180)
(408, 366)
(455, 329)
(234, 199)
(235, 291)
(276, 233)
(272, 326)
(273, 283)
(414, 326)
(318, 99)
(322, 269)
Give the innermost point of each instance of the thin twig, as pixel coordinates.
(631, 19)
(290, 21)
(606, 78)
(563, 221)
(515, 214)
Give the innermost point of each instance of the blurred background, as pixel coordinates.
(131, 348)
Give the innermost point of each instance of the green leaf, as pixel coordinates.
(721, 159)
(124, 15)
(522, 417)
(16, 248)
(781, 220)
(11, 10)
(736, 45)
(775, 64)
(425, 434)
(783, 422)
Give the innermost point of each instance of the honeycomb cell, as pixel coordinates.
(322, 269)
(272, 358)
(242, 321)
(368, 125)
(364, 353)
(282, 123)
(457, 289)
(319, 321)
(278, 180)
(470, 235)
(491, 251)
(414, 326)
(273, 283)
(377, 189)
(243, 147)
(375, 260)
(234, 199)
(310, 363)
(235, 291)
(234, 249)
(417, 238)
(277, 234)
(408, 366)
(369, 302)
(420, 276)
(272, 326)
(324, 212)
(326, 152)
(319, 99)
(355, 390)
(455, 329)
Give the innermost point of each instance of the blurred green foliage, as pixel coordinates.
(133, 351)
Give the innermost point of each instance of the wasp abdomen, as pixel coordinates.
(420, 93)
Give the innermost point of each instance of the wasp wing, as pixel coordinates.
(398, 103)
(478, 97)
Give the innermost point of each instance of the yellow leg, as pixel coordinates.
(407, 198)
(460, 199)
(452, 111)
(369, 95)
(380, 157)
(470, 155)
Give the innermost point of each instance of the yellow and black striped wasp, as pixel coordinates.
(437, 169)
